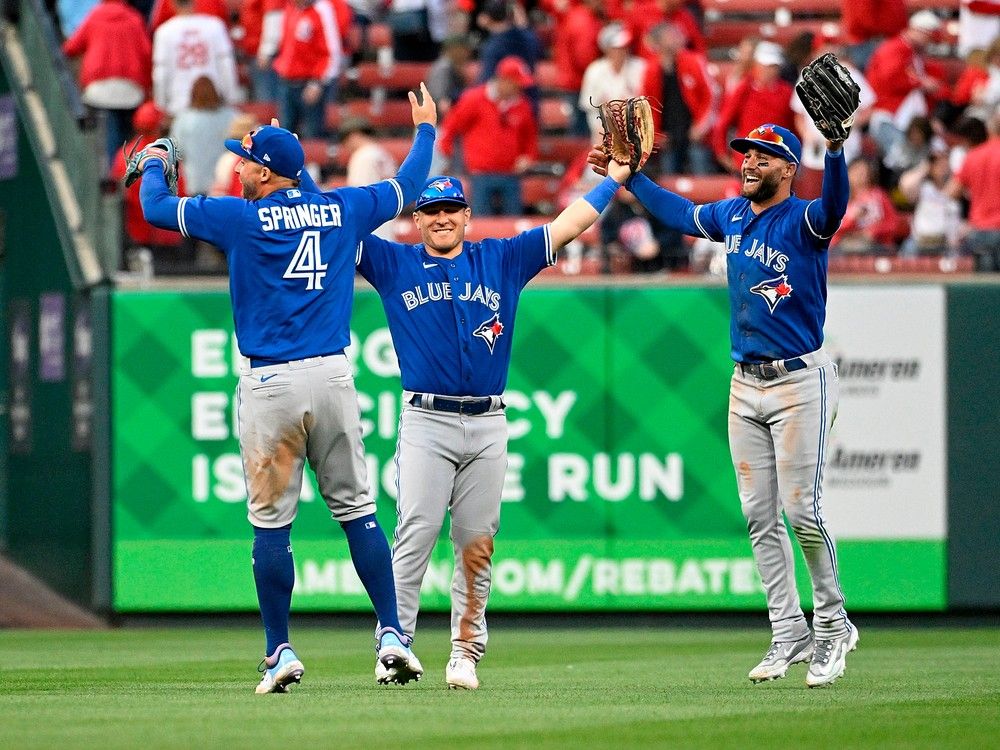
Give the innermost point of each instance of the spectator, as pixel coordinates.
(508, 33)
(969, 85)
(871, 222)
(164, 10)
(809, 177)
(310, 57)
(679, 80)
(199, 131)
(937, 216)
(967, 133)
(446, 79)
(761, 97)
(898, 75)
(986, 97)
(499, 137)
(418, 26)
(254, 16)
(741, 57)
(114, 72)
(978, 24)
(574, 48)
(187, 46)
(915, 146)
(800, 51)
(367, 161)
(977, 180)
(628, 230)
(645, 14)
(226, 177)
(867, 23)
(616, 75)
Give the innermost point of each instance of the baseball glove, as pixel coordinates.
(162, 149)
(628, 130)
(830, 96)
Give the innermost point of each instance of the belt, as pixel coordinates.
(264, 362)
(471, 406)
(772, 370)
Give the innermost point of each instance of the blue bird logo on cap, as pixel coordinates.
(442, 189)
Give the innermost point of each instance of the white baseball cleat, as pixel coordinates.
(779, 657)
(280, 671)
(395, 662)
(830, 658)
(461, 674)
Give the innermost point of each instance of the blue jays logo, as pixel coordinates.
(773, 290)
(440, 185)
(490, 331)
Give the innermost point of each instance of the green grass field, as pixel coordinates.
(542, 688)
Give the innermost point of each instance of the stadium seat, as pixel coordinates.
(562, 149)
(319, 151)
(723, 7)
(539, 192)
(401, 76)
(868, 264)
(701, 188)
(386, 115)
(728, 33)
(553, 114)
(261, 111)
(379, 35)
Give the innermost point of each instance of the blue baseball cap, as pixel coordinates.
(773, 139)
(441, 189)
(275, 148)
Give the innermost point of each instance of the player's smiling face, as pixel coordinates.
(442, 227)
(762, 174)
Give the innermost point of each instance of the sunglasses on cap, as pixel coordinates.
(769, 136)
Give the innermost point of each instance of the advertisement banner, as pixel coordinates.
(619, 492)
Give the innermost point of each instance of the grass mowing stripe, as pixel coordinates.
(544, 688)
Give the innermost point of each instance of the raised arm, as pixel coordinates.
(823, 215)
(579, 215)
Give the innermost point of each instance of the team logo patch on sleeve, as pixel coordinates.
(490, 331)
(773, 290)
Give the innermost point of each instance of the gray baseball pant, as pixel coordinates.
(778, 435)
(449, 462)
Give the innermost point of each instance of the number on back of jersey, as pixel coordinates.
(307, 263)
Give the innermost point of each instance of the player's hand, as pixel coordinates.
(425, 110)
(620, 172)
(598, 160)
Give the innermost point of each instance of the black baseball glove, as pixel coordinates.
(162, 149)
(830, 96)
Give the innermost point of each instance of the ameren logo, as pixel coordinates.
(877, 370)
(586, 577)
(869, 468)
(573, 477)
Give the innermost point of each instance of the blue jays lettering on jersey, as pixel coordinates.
(291, 255)
(433, 302)
(776, 261)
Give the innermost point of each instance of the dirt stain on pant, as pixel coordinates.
(269, 472)
(476, 557)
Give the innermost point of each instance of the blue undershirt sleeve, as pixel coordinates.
(675, 211)
(823, 215)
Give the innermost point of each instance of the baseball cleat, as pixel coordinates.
(280, 671)
(779, 657)
(829, 659)
(396, 663)
(461, 674)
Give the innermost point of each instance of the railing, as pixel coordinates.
(69, 141)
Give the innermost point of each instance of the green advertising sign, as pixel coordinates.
(619, 491)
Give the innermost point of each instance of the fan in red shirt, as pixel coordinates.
(978, 178)
(761, 97)
(871, 223)
(645, 14)
(164, 10)
(499, 136)
(867, 23)
(574, 47)
(899, 76)
(247, 37)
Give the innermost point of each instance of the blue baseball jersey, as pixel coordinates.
(776, 260)
(291, 254)
(452, 319)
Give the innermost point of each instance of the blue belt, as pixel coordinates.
(453, 405)
(770, 371)
(264, 362)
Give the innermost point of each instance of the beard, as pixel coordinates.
(764, 190)
(250, 192)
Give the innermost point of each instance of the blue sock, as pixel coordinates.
(274, 575)
(372, 561)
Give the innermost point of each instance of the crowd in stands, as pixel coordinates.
(515, 83)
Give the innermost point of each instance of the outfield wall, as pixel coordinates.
(619, 494)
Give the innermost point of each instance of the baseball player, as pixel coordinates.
(450, 305)
(784, 390)
(291, 277)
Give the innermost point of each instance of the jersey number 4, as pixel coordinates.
(307, 263)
